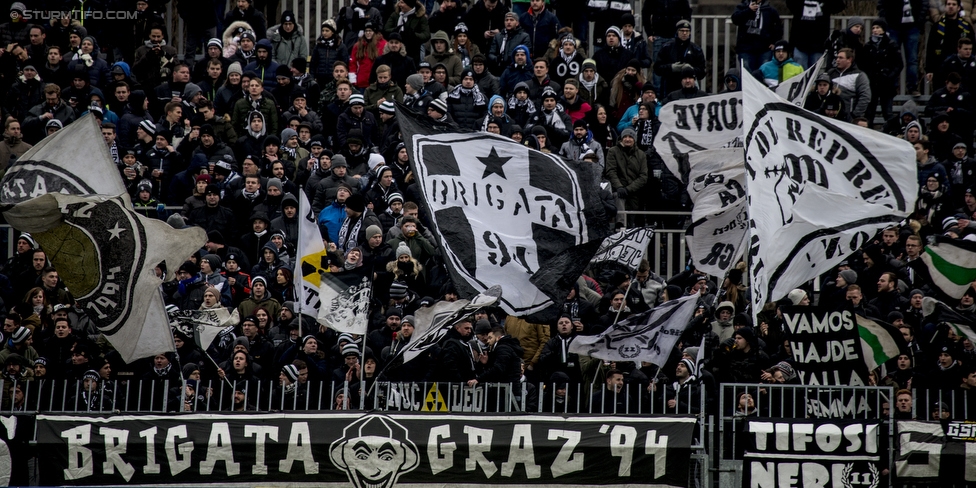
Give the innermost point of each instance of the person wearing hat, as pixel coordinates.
(626, 169)
(328, 49)
(613, 57)
(466, 103)
(504, 42)
(943, 136)
(255, 101)
(19, 342)
(815, 100)
(213, 216)
(883, 64)
(383, 336)
(688, 88)
(352, 233)
(555, 355)
(288, 40)
(581, 143)
(264, 65)
(684, 393)
(246, 12)
(415, 92)
(437, 110)
(781, 67)
(593, 88)
(743, 361)
(363, 53)
(568, 63)
(553, 119)
(356, 117)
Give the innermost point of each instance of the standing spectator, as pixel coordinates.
(353, 19)
(463, 47)
(607, 14)
(811, 27)
(541, 25)
(633, 41)
(442, 53)
(659, 19)
(410, 21)
(466, 104)
(12, 146)
(955, 102)
(675, 55)
(759, 27)
(854, 86)
(942, 39)
(568, 62)
(963, 63)
(53, 107)
(18, 29)
(328, 49)
(448, 15)
(882, 63)
(781, 68)
(486, 20)
(288, 40)
(689, 88)
(395, 57)
(905, 18)
(503, 364)
(626, 169)
(245, 12)
(504, 43)
(613, 57)
(851, 37)
(364, 52)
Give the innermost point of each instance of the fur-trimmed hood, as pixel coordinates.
(228, 37)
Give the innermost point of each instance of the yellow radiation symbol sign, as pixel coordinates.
(435, 401)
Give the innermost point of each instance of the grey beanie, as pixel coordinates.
(628, 132)
(275, 182)
(849, 275)
(855, 20)
(416, 81)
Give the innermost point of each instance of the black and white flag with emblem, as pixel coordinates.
(649, 336)
(106, 254)
(698, 124)
(626, 248)
(819, 190)
(434, 322)
(505, 214)
(716, 184)
(344, 300)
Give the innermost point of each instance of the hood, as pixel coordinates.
(723, 305)
(228, 36)
(441, 36)
(125, 67)
(499, 98)
(288, 199)
(264, 126)
(909, 108)
(274, 249)
(734, 74)
(266, 44)
(523, 47)
(136, 100)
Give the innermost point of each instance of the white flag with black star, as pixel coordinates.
(504, 213)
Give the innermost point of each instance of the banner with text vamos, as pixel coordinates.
(826, 346)
(365, 451)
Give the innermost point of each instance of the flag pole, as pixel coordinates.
(362, 365)
(626, 292)
(298, 254)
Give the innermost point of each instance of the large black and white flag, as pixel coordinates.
(106, 254)
(344, 300)
(698, 124)
(819, 190)
(504, 213)
(720, 219)
(649, 336)
(203, 326)
(434, 322)
(626, 248)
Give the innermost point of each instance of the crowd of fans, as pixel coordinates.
(254, 114)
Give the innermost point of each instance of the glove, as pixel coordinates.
(676, 67)
(622, 192)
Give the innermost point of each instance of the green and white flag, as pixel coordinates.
(951, 264)
(880, 342)
(962, 326)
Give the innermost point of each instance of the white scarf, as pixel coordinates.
(346, 233)
(403, 18)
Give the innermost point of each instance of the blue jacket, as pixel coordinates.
(514, 75)
(631, 112)
(331, 219)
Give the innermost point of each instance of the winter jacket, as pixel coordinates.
(455, 362)
(674, 51)
(558, 125)
(467, 106)
(288, 47)
(574, 149)
(855, 89)
(352, 20)
(891, 12)
(415, 30)
(770, 27)
(541, 27)
(325, 53)
(244, 106)
(811, 22)
(610, 60)
(504, 362)
(391, 92)
(627, 168)
(515, 74)
(561, 69)
(253, 17)
(774, 72)
(361, 69)
(882, 61)
(401, 65)
(504, 44)
(450, 60)
(531, 337)
(367, 123)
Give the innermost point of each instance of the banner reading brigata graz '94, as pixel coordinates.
(819, 454)
(365, 451)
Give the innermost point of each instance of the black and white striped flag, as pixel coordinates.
(649, 336)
